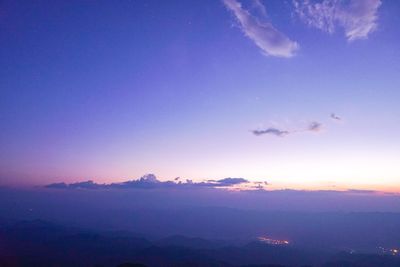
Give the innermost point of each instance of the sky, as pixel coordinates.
(300, 94)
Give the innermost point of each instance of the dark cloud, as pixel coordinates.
(79, 185)
(273, 131)
(361, 191)
(312, 127)
(315, 126)
(57, 185)
(150, 181)
(335, 117)
(232, 181)
(87, 185)
(147, 181)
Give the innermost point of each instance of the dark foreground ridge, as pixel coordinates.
(40, 243)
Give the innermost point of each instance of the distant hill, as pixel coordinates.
(40, 243)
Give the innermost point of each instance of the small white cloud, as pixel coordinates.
(263, 34)
(358, 18)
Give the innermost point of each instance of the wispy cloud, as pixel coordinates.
(263, 34)
(358, 18)
(258, 5)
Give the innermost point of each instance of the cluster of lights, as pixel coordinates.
(275, 242)
(392, 251)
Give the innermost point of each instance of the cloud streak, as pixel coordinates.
(358, 18)
(263, 34)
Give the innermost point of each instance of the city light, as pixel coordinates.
(275, 242)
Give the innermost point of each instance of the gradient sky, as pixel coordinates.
(112, 90)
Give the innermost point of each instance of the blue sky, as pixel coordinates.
(113, 90)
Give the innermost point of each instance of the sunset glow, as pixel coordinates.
(213, 97)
